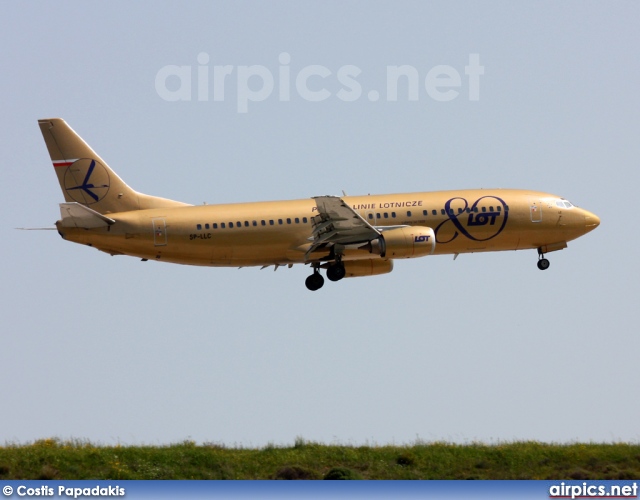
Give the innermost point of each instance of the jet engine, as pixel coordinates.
(368, 267)
(404, 242)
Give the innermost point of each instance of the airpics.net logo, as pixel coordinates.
(313, 83)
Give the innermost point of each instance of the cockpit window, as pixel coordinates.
(564, 204)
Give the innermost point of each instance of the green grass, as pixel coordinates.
(56, 459)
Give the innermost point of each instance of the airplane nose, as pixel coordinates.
(591, 221)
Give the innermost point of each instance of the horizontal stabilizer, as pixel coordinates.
(77, 215)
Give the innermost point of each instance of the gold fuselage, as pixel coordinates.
(278, 232)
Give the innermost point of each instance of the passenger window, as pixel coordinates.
(484, 209)
(215, 225)
(206, 226)
(451, 211)
(408, 213)
(304, 219)
(490, 209)
(288, 221)
(231, 224)
(499, 209)
(271, 222)
(443, 212)
(425, 212)
(199, 227)
(386, 215)
(297, 219)
(254, 223)
(393, 214)
(222, 225)
(279, 221)
(370, 216)
(460, 210)
(263, 222)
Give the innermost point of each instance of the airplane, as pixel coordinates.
(348, 236)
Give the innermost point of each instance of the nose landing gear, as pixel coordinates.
(543, 264)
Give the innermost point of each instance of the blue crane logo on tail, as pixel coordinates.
(86, 181)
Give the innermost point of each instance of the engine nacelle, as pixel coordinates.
(405, 242)
(368, 267)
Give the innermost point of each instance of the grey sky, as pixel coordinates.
(484, 348)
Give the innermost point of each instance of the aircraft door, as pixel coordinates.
(535, 208)
(159, 231)
(370, 217)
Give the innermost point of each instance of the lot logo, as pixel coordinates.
(465, 219)
(86, 181)
(421, 239)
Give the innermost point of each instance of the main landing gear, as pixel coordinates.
(315, 281)
(335, 272)
(543, 264)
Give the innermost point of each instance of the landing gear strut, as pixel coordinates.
(543, 264)
(315, 281)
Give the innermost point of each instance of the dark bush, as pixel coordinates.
(293, 473)
(405, 460)
(579, 474)
(342, 473)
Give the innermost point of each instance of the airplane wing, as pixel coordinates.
(338, 224)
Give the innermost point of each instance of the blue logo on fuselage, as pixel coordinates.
(462, 224)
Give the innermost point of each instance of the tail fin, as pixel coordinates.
(85, 178)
